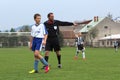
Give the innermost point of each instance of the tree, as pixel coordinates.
(25, 28)
(12, 30)
(93, 33)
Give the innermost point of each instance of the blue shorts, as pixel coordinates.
(36, 44)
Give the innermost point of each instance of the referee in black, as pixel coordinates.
(52, 42)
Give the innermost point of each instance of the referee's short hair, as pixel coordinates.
(35, 15)
(49, 14)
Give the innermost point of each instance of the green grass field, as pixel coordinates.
(101, 64)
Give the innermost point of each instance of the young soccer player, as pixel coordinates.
(116, 45)
(38, 38)
(80, 46)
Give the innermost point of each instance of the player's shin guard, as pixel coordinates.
(36, 65)
(44, 61)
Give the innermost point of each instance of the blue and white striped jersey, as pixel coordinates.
(115, 43)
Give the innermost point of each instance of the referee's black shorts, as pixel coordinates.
(52, 44)
(115, 46)
(80, 47)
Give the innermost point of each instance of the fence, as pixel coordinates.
(14, 39)
(17, 39)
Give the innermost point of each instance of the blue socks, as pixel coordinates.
(44, 61)
(36, 65)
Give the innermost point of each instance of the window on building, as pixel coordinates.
(105, 35)
(106, 27)
(107, 42)
(111, 43)
(103, 43)
(88, 26)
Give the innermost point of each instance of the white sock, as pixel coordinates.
(83, 54)
(116, 49)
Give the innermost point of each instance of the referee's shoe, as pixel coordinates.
(59, 66)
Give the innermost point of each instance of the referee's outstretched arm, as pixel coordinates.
(62, 23)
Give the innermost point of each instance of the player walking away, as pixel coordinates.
(116, 45)
(38, 38)
(52, 40)
(80, 46)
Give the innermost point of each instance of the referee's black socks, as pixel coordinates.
(59, 59)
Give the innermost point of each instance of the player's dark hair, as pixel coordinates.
(49, 14)
(36, 15)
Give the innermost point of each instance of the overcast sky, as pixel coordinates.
(14, 13)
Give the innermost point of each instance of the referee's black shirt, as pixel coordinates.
(53, 27)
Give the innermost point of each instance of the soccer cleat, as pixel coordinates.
(76, 58)
(59, 66)
(47, 69)
(33, 71)
(84, 59)
(44, 67)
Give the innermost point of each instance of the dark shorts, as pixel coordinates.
(52, 44)
(115, 46)
(36, 44)
(80, 47)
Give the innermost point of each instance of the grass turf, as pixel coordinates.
(101, 64)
